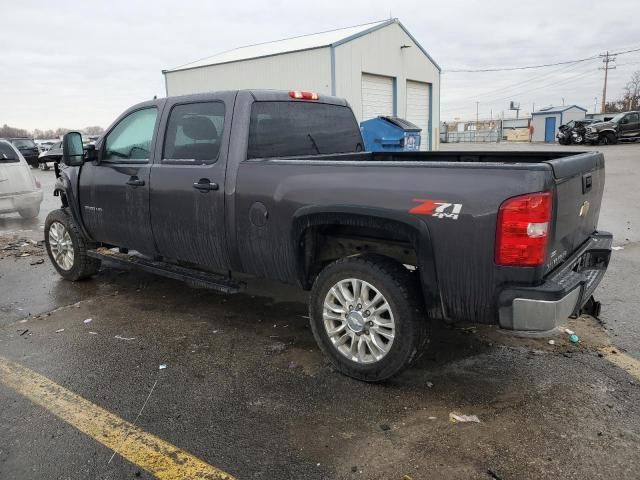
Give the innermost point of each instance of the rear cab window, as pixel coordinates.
(8, 154)
(292, 128)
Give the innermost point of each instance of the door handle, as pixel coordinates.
(204, 185)
(135, 182)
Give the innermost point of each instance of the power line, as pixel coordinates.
(529, 67)
(512, 88)
(515, 94)
(582, 75)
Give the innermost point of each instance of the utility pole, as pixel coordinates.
(606, 59)
(477, 110)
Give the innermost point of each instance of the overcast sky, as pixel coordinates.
(79, 63)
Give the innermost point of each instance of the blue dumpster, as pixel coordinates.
(390, 134)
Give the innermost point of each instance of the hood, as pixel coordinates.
(602, 126)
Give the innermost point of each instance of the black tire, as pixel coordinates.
(564, 141)
(608, 138)
(43, 166)
(403, 295)
(31, 212)
(83, 266)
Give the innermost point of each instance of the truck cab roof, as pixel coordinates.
(259, 95)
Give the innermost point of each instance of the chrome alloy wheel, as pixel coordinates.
(61, 245)
(358, 320)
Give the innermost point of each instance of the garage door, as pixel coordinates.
(418, 108)
(377, 96)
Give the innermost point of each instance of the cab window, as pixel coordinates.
(284, 129)
(194, 133)
(130, 140)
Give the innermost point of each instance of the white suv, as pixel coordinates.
(19, 190)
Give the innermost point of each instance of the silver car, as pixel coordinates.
(19, 190)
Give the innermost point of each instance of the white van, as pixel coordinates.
(19, 190)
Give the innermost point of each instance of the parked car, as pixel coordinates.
(624, 126)
(573, 132)
(53, 154)
(19, 190)
(273, 184)
(28, 149)
(44, 145)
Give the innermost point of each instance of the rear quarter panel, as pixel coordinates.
(463, 248)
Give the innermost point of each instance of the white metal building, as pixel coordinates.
(546, 121)
(378, 67)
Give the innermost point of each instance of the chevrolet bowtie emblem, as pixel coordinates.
(584, 209)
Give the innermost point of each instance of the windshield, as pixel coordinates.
(618, 117)
(23, 143)
(571, 124)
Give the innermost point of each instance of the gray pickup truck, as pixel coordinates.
(206, 188)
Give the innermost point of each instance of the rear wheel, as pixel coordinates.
(31, 212)
(67, 248)
(367, 317)
(43, 166)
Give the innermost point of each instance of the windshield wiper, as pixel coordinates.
(315, 145)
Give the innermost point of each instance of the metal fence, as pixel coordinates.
(491, 131)
(493, 136)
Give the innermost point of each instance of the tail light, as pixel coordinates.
(523, 230)
(297, 94)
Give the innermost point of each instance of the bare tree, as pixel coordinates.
(7, 131)
(93, 130)
(631, 96)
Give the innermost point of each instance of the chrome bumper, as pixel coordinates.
(13, 203)
(540, 309)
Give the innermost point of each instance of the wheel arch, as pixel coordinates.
(388, 226)
(64, 188)
(607, 130)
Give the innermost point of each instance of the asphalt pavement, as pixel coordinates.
(238, 383)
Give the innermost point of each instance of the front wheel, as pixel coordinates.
(67, 248)
(367, 317)
(608, 138)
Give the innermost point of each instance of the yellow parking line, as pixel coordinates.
(145, 450)
(622, 360)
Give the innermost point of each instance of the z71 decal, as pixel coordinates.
(437, 208)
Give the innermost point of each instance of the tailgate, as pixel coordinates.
(579, 187)
(15, 178)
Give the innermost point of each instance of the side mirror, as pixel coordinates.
(72, 151)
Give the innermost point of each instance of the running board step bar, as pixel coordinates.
(194, 278)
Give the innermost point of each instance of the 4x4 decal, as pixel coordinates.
(437, 208)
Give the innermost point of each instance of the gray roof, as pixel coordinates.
(331, 38)
(558, 109)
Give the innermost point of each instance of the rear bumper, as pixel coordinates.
(540, 309)
(13, 203)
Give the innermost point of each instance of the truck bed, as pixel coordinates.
(392, 185)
